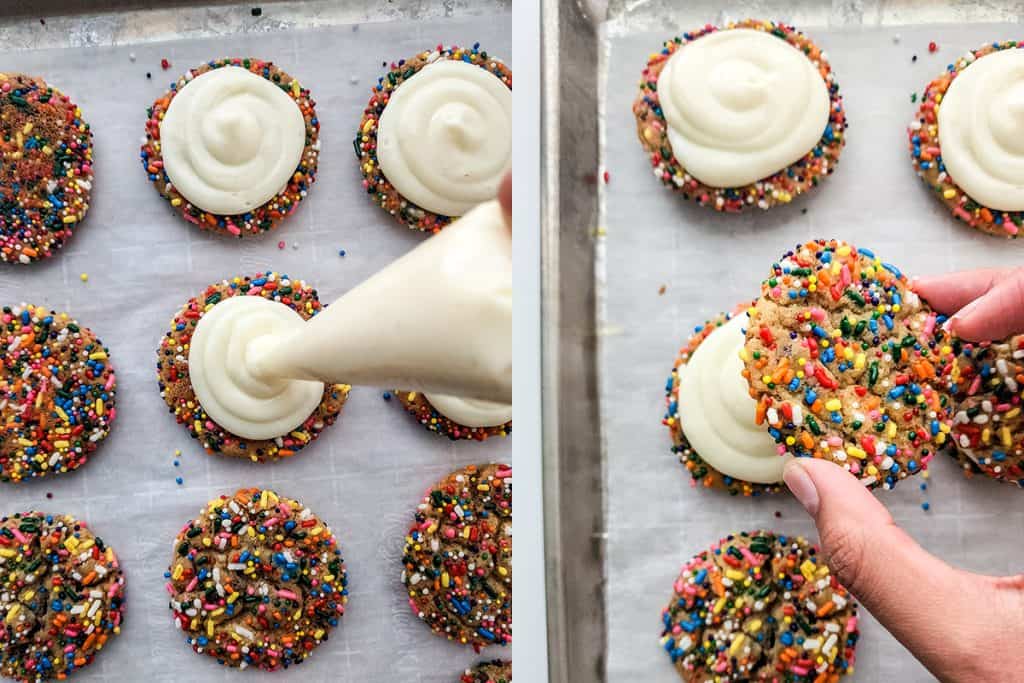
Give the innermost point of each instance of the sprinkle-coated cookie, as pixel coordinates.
(496, 671)
(417, 405)
(57, 393)
(457, 563)
(176, 387)
(256, 580)
(46, 177)
(848, 364)
(701, 472)
(61, 596)
(779, 188)
(924, 138)
(988, 427)
(760, 606)
(267, 216)
(378, 187)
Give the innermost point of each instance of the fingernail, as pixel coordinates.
(947, 326)
(801, 486)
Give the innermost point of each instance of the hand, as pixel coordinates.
(962, 626)
(986, 305)
(505, 198)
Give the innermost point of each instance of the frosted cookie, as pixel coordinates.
(743, 116)
(61, 596)
(988, 428)
(233, 146)
(57, 393)
(457, 562)
(435, 139)
(178, 392)
(256, 580)
(458, 418)
(759, 606)
(848, 364)
(965, 141)
(711, 416)
(46, 177)
(496, 671)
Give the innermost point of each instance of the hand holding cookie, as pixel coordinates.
(985, 304)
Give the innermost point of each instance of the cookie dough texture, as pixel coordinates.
(263, 218)
(701, 472)
(46, 175)
(496, 671)
(417, 405)
(925, 146)
(57, 393)
(759, 606)
(988, 427)
(377, 186)
(848, 364)
(176, 388)
(61, 596)
(256, 580)
(781, 187)
(457, 562)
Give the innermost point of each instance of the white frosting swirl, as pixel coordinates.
(741, 105)
(717, 413)
(471, 412)
(444, 139)
(231, 140)
(220, 369)
(981, 130)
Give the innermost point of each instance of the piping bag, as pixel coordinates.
(438, 319)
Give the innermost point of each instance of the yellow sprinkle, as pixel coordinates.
(1004, 434)
(858, 362)
(737, 644)
(12, 613)
(27, 129)
(719, 605)
(856, 452)
(70, 219)
(734, 574)
(71, 543)
(84, 277)
(7, 552)
(98, 355)
(808, 567)
(99, 406)
(833, 405)
(753, 626)
(178, 571)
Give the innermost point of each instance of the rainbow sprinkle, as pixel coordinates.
(760, 606)
(256, 580)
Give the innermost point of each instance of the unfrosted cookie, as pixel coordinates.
(61, 596)
(46, 175)
(231, 140)
(176, 388)
(449, 145)
(417, 404)
(988, 428)
(701, 471)
(982, 137)
(457, 562)
(57, 393)
(256, 580)
(738, 103)
(848, 364)
(760, 606)
(496, 671)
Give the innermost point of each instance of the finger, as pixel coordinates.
(950, 292)
(505, 197)
(908, 590)
(996, 315)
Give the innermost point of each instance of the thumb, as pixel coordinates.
(908, 590)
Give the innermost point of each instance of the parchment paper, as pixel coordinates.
(364, 476)
(709, 262)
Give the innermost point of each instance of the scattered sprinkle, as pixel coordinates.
(164, 64)
(914, 58)
(257, 11)
(84, 277)
(341, 252)
(925, 506)
(179, 481)
(607, 176)
(386, 396)
(281, 244)
(661, 290)
(932, 47)
(131, 56)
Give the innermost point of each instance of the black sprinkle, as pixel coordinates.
(149, 75)
(803, 210)
(778, 514)
(43, 22)
(914, 58)
(257, 11)
(49, 495)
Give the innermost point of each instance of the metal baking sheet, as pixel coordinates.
(617, 539)
(364, 476)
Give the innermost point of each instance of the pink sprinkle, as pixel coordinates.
(851, 624)
(967, 218)
(975, 385)
(818, 314)
(19, 536)
(233, 229)
(288, 595)
(170, 588)
(929, 325)
(799, 670)
(281, 245)
(110, 382)
(749, 556)
(192, 584)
